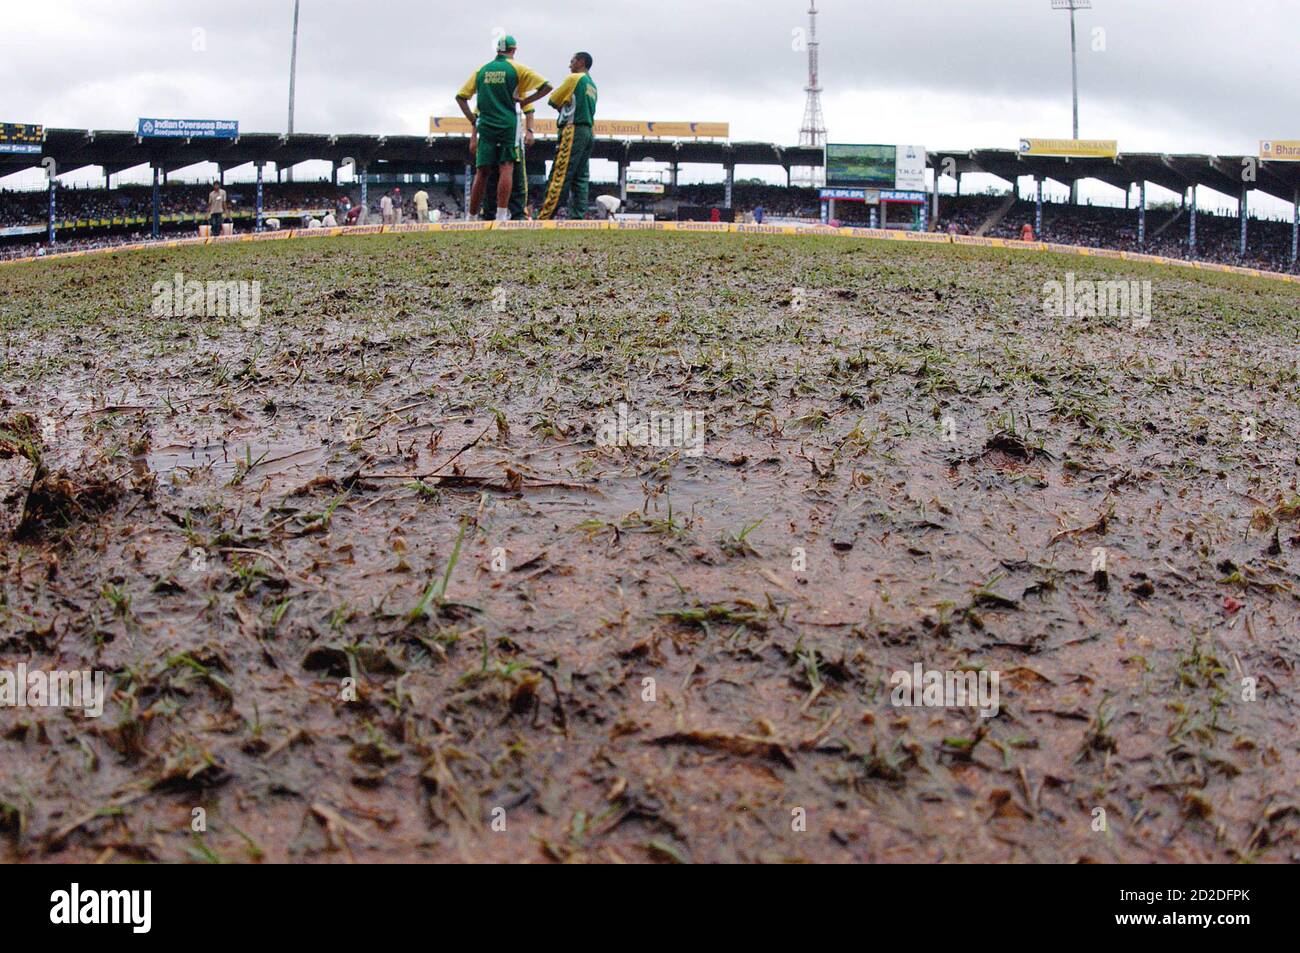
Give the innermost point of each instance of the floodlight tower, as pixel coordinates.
(1073, 5)
(293, 71)
(813, 131)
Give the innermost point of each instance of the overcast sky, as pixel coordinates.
(1170, 75)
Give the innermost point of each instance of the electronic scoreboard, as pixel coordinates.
(21, 138)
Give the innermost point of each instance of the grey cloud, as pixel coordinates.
(1197, 68)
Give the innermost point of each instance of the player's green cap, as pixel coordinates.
(506, 42)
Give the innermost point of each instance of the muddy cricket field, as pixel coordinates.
(389, 570)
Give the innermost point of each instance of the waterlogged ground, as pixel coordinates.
(391, 490)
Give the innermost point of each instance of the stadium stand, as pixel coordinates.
(1092, 226)
(28, 208)
(968, 212)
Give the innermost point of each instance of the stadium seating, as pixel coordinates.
(1094, 226)
(131, 201)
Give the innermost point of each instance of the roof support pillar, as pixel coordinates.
(155, 200)
(1191, 225)
(1295, 230)
(1038, 208)
(1241, 211)
(1142, 214)
(258, 226)
(50, 239)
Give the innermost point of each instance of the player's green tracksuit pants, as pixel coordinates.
(571, 172)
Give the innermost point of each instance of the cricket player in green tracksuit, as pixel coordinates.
(497, 87)
(576, 100)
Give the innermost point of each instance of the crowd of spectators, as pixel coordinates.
(316, 200)
(967, 212)
(136, 201)
(28, 249)
(1268, 243)
(776, 201)
(1091, 226)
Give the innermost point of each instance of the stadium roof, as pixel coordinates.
(119, 150)
(1174, 172)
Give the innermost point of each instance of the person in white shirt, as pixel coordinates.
(216, 206)
(386, 209)
(422, 207)
(330, 221)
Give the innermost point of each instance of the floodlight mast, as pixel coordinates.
(293, 72)
(1073, 5)
(813, 131)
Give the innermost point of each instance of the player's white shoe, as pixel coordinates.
(503, 215)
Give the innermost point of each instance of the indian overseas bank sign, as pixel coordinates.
(187, 129)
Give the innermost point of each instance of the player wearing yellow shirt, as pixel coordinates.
(496, 87)
(576, 101)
